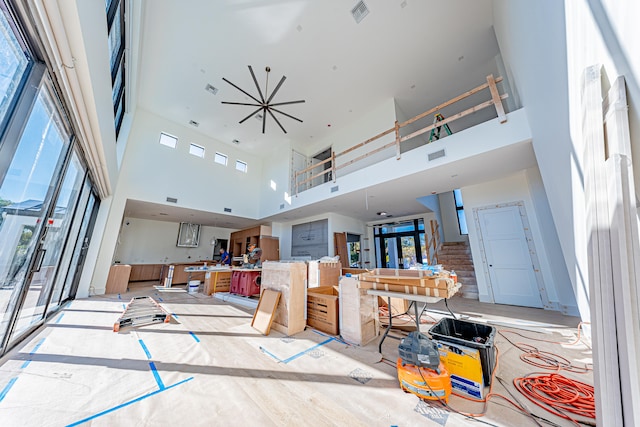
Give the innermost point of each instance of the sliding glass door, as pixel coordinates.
(400, 245)
(28, 189)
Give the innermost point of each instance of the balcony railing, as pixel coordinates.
(364, 149)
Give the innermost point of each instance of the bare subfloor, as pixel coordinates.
(208, 366)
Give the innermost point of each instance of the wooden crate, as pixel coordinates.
(359, 320)
(322, 274)
(288, 278)
(322, 309)
(415, 290)
(217, 281)
(399, 277)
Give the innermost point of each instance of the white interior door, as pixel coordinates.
(511, 272)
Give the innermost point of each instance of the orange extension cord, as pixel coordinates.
(553, 392)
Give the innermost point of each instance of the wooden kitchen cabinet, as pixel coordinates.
(145, 272)
(261, 236)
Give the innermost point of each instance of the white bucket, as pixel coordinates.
(193, 286)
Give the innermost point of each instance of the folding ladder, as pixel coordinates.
(435, 132)
(141, 311)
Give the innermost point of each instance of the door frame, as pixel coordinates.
(533, 254)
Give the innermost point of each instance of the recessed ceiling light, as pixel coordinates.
(413, 86)
(403, 4)
(211, 88)
(460, 58)
(194, 123)
(235, 141)
(258, 116)
(359, 11)
(383, 213)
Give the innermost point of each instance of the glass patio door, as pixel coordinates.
(27, 190)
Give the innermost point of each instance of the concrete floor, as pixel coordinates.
(208, 366)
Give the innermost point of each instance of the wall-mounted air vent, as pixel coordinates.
(334, 189)
(172, 200)
(359, 11)
(227, 210)
(436, 155)
(282, 206)
(211, 88)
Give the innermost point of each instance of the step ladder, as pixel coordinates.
(141, 311)
(435, 132)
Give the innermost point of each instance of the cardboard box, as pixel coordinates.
(323, 274)
(464, 366)
(415, 290)
(359, 318)
(322, 309)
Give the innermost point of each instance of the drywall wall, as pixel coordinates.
(511, 189)
(154, 242)
(275, 191)
(568, 37)
(152, 172)
(449, 224)
(460, 147)
(336, 224)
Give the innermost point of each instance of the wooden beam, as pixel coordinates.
(365, 155)
(362, 144)
(449, 102)
(450, 119)
(397, 128)
(495, 96)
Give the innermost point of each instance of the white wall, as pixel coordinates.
(154, 242)
(516, 188)
(449, 223)
(567, 37)
(336, 224)
(152, 172)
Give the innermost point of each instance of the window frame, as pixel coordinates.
(242, 169)
(175, 138)
(221, 155)
(192, 145)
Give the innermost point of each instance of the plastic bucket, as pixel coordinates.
(193, 286)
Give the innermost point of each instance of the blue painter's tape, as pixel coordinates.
(160, 299)
(144, 347)
(157, 376)
(6, 388)
(174, 315)
(124, 306)
(138, 399)
(194, 336)
(119, 297)
(264, 350)
(59, 318)
(302, 353)
(35, 348)
(329, 336)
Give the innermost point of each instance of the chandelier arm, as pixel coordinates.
(252, 114)
(241, 90)
(242, 103)
(276, 89)
(264, 119)
(256, 82)
(277, 121)
(285, 114)
(286, 103)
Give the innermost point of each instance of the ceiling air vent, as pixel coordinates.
(436, 155)
(282, 206)
(359, 11)
(194, 123)
(334, 189)
(172, 200)
(227, 210)
(211, 88)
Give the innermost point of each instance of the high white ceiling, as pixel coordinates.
(419, 52)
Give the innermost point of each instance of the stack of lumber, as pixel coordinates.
(416, 282)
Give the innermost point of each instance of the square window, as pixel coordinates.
(221, 158)
(241, 166)
(196, 150)
(168, 140)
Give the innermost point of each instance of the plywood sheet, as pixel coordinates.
(263, 316)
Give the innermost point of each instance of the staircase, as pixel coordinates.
(457, 256)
